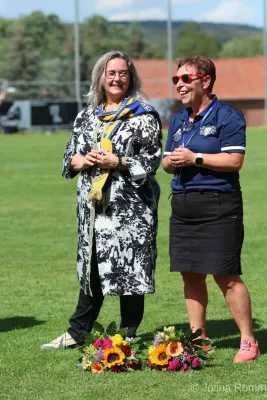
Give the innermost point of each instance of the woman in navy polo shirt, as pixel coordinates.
(204, 151)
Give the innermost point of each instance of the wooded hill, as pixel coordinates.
(156, 30)
(38, 50)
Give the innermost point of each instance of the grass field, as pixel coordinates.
(39, 287)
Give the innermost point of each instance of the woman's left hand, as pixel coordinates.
(182, 157)
(106, 160)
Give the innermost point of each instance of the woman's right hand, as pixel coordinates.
(80, 163)
(168, 166)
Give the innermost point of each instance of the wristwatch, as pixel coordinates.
(199, 160)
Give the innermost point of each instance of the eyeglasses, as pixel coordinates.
(123, 74)
(186, 78)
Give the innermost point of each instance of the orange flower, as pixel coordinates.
(175, 348)
(97, 368)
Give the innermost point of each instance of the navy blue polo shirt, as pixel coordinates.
(218, 128)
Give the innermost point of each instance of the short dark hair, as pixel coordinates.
(203, 65)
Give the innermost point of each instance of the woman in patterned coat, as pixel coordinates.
(115, 148)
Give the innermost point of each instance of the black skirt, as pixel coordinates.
(206, 232)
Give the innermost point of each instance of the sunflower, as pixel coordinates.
(113, 356)
(151, 350)
(159, 355)
(175, 349)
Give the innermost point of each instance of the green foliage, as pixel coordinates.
(136, 43)
(47, 33)
(247, 47)
(6, 27)
(111, 329)
(224, 32)
(192, 40)
(98, 329)
(4, 47)
(23, 60)
(118, 37)
(95, 39)
(156, 31)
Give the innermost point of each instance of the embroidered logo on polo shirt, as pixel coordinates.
(208, 130)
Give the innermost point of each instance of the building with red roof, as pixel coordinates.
(240, 83)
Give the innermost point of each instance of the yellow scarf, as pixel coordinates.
(113, 121)
(128, 108)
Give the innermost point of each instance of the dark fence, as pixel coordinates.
(25, 115)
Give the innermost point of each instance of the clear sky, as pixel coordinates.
(232, 11)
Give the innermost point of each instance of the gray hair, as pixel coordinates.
(97, 94)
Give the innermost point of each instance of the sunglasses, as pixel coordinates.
(186, 78)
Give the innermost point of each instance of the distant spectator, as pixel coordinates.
(2, 96)
(47, 95)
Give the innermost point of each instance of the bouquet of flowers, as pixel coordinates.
(106, 350)
(173, 350)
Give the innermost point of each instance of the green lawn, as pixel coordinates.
(39, 287)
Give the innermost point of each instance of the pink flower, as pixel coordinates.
(189, 357)
(185, 368)
(195, 363)
(173, 366)
(98, 343)
(107, 344)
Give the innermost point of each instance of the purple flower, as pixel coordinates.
(185, 368)
(99, 355)
(173, 366)
(195, 363)
(157, 341)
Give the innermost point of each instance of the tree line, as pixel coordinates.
(38, 48)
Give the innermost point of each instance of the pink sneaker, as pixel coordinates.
(248, 351)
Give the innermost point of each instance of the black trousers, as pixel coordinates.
(88, 308)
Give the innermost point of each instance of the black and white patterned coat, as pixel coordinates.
(125, 228)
